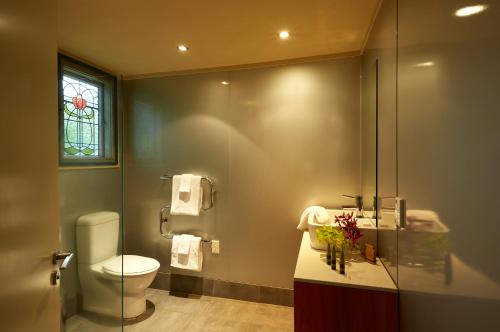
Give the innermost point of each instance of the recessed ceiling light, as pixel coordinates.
(469, 10)
(284, 34)
(182, 48)
(224, 83)
(424, 64)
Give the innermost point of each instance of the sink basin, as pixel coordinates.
(366, 225)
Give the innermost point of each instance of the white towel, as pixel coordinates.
(185, 184)
(422, 219)
(313, 214)
(184, 243)
(422, 216)
(186, 203)
(193, 260)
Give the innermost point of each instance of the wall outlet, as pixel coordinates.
(215, 247)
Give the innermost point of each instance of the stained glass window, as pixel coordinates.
(88, 129)
(82, 102)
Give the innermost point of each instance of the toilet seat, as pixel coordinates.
(132, 265)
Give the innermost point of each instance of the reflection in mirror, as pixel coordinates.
(427, 245)
(379, 63)
(369, 141)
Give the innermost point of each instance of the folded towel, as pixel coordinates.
(191, 261)
(185, 184)
(186, 203)
(313, 214)
(184, 243)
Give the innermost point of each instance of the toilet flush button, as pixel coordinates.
(215, 247)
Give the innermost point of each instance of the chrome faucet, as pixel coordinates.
(359, 204)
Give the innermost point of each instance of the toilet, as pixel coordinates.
(100, 268)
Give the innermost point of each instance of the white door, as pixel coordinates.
(29, 222)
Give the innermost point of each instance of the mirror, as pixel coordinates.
(369, 110)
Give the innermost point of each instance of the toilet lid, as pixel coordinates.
(132, 265)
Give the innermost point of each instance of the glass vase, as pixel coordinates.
(353, 254)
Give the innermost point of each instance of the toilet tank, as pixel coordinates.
(97, 237)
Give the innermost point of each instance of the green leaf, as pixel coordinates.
(69, 112)
(88, 115)
(330, 234)
(71, 150)
(88, 151)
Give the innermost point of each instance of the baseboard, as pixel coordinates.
(177, 283)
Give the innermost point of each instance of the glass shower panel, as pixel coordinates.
(379, 61)
(448, 161)
(85, 191)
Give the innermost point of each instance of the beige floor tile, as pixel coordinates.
(161, 321)
(197, 313)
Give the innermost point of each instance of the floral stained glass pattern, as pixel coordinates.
(82, 117)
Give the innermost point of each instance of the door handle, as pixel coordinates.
(57, 256)
(65, 256)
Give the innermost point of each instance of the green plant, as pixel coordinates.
(330, 234)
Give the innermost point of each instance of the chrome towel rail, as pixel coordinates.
(164, 218)
(203, 178)
(170, 234)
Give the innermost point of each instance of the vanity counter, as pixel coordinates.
(364, 299)
(312, 268)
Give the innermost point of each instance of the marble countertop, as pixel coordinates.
(311, 268)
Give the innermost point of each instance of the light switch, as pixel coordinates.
(215, 247)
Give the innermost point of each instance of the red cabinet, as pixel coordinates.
(322, 308)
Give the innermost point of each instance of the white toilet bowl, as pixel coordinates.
(105, 276)
(138, 273)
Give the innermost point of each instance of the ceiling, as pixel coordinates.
(132, 37)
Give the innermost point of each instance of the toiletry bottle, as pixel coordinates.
(328, 254)
(342, 262)
(334, 258)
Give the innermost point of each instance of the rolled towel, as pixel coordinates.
(313, 214)
(422, 216)
(422, 219)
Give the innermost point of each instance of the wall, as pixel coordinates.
(448, 162)
(276, 140)
(381, 48)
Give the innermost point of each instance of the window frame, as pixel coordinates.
(82, 71)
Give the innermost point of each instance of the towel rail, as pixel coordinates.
(203, 178)
(170, 234)
(164, 219)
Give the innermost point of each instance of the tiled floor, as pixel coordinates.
(196, 313)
